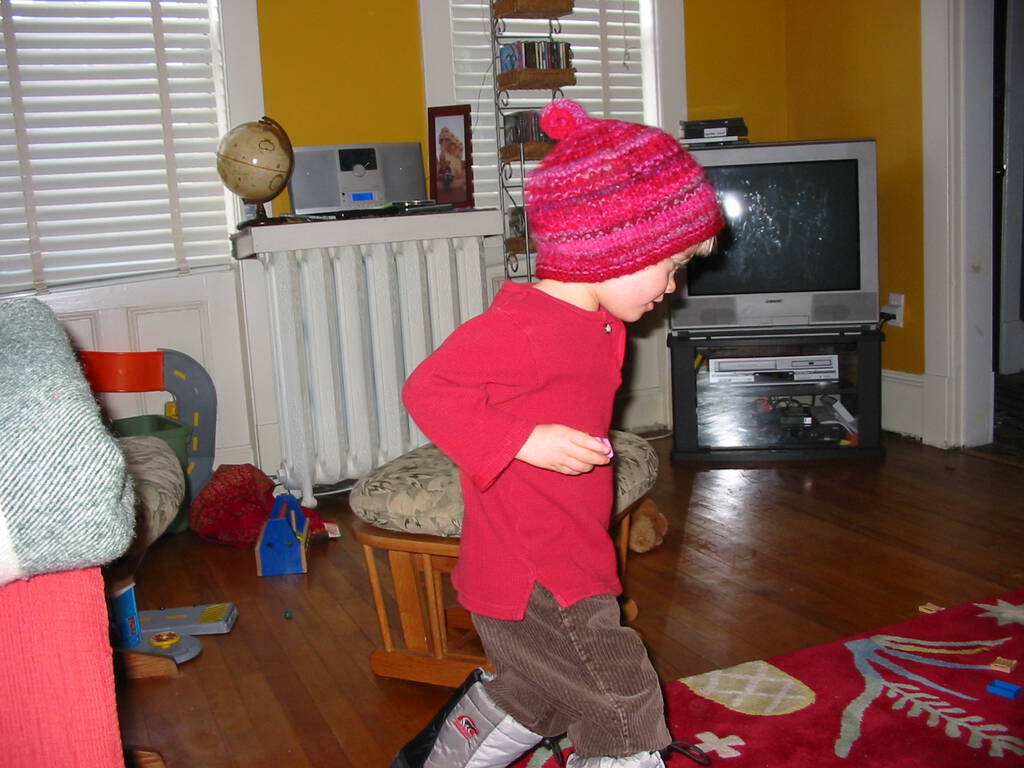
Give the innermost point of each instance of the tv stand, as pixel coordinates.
(776, 393)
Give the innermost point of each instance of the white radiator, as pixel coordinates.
(347, 324)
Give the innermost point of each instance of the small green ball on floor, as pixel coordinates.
(287, 614)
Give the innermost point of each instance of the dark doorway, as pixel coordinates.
(1008, 229)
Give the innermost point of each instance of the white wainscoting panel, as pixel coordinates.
(903, 403)
(196, 314)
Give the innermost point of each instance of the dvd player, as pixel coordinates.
(794, 369)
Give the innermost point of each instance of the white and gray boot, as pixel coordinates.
(641, 759)
(470, 732)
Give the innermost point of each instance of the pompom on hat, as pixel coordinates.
(613, 197)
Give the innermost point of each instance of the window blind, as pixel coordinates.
(605, 40)
(109, 122)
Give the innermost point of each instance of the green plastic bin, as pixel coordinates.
(172, 432)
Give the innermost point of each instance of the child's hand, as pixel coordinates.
(563, 449)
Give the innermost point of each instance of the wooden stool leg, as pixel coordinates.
(435, 613)
(443, 621)
(378, 598)
(409, 599)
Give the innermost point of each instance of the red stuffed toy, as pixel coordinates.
(235, 504)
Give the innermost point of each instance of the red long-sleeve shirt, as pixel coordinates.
(530, 359)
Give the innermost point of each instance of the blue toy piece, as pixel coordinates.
(208, 619)
(1004, 689)
(125, 615)
(281, 548)
(196, 396)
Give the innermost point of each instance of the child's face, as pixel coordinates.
(631, 296)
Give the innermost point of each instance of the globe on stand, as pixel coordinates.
(255, 161)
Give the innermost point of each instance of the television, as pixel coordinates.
(800, 245)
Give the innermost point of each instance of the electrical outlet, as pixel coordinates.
(895, 307)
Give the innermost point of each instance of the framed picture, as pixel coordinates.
(451, 155)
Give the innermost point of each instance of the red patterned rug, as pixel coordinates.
(911, 695)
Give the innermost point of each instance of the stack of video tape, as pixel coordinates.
(535, 54)
(523, 127)
(723, 130)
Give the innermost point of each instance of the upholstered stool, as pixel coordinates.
(411, 508)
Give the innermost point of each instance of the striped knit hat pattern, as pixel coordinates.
(613, 197)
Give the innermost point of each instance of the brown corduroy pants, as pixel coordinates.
(578, 671)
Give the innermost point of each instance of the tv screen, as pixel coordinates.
(800, 247)
(789, 227)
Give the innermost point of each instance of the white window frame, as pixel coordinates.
(664, 59)
(242, 93)
(243, 73)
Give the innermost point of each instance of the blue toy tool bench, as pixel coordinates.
(281, 548)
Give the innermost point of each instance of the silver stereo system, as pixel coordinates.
(345, 177)
(798, 369)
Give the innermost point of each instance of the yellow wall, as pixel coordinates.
(821, 69)
(736, 64)
(342, 72)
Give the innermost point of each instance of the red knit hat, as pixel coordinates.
(613, 197)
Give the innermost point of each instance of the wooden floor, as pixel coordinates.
(757, 562)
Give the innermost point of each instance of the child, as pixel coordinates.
(520, 398)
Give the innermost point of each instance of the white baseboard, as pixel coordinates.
(903, 403)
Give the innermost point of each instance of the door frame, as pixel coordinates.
(956, 74)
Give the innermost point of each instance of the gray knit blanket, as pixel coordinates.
(66, 500)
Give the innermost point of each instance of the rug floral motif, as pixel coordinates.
(910, 695)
